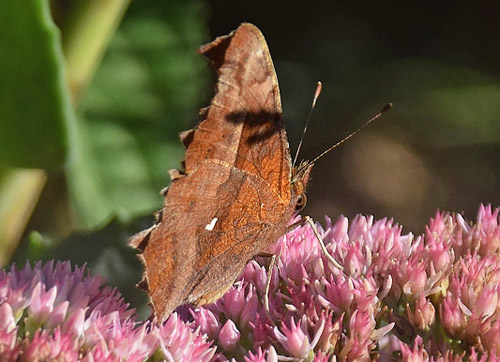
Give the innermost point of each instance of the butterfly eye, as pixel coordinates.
(301, 202)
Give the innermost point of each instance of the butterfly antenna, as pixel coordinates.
(316, 95)
(380, 113)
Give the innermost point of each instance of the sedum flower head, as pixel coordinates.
(386, 296)
(396, 296)
(56, 313)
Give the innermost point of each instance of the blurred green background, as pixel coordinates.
(93, 94)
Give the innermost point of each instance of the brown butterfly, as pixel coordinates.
(238, 191)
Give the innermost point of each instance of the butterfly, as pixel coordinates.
(238, 190)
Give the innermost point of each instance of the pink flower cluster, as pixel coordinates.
(433, 297)
(54, 313)
(389, 296)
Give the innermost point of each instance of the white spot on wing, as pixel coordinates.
(211, 225)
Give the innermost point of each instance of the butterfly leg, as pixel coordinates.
(269, 275)
(268, 285)
(308, 220)
(302, 222)
(329, 256)
(295, 225)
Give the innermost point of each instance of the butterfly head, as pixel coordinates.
(300, 178)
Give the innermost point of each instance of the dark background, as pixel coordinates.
(436, 61)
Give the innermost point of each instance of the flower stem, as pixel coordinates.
(85, 37)
(19, 193)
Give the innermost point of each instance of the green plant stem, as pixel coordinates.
(85, 38)
(19, 193)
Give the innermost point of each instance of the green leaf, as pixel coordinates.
(146, 90)
(84, 181)
(35, 109)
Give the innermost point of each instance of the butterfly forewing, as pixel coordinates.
(243, 126)
(234, 199)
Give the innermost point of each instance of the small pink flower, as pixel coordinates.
(294, 339)
(331, 333)
(46, 347)
(454, 316)
(229, 336)
(423, 314)
(234, 301)
(490, 338)
(257, 357)
(415, 353)
(488, 230)
(207, 322)
(439, 252)
(362, 337)
(240, 304)
(178, 342)
(269, 355)
(9, 351)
